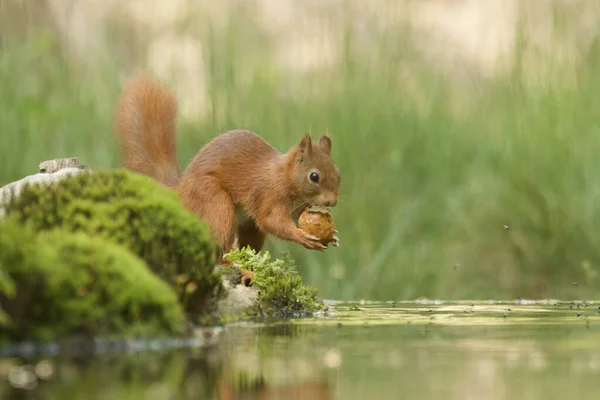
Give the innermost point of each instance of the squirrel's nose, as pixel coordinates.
(331, 203)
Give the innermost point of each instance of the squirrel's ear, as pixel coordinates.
(305, 145)
(325, 143)
(303, 148)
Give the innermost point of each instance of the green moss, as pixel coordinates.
(56, 284)
(137, 212)
(282, 292)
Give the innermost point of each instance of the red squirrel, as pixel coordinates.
(240, 184)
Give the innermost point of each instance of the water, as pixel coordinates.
(420, 350)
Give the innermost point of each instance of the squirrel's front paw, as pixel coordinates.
(310, 241)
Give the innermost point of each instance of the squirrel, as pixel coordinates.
(241, 185)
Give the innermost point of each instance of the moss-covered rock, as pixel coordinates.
(282, 292)
(137, 212)
(57, 284)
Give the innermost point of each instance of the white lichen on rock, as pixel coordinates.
(50, 171)
(52, 166)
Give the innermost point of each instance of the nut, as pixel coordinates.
(318, 222)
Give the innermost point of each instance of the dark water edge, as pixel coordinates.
(359, 350)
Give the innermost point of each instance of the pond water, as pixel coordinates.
(404, 350)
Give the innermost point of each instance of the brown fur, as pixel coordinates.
(238, 182)
(145, 128)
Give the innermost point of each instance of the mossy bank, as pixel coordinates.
(133, 211)
(113, 252)
(59, 283)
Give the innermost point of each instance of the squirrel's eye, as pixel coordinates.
(314, 177)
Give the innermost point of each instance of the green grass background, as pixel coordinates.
(429, 181)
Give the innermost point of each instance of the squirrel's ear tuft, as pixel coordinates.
(325, 143)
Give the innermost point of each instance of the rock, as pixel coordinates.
(238, 300)
(50, 171)
(52, 166)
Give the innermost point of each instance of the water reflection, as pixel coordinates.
(548, 354)
(233, 368)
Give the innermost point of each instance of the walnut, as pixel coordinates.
(318, 222)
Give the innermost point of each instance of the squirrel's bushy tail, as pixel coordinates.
(145, 129)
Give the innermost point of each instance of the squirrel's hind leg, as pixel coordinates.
(210, 202)
(250, 235)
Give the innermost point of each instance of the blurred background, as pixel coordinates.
(465, 131)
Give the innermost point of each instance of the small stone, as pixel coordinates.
(51, 166)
